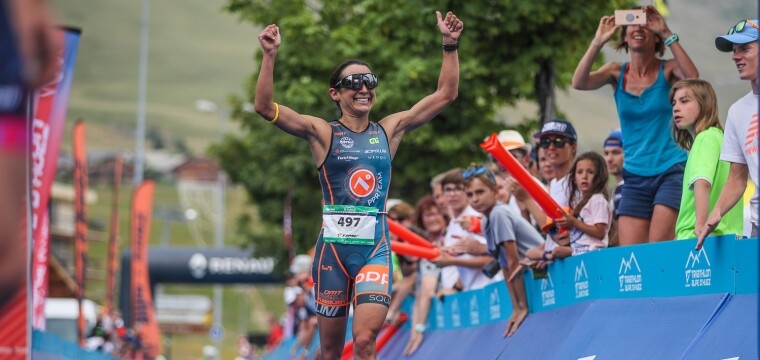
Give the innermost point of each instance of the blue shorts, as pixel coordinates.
(642, 193)
(351, 273)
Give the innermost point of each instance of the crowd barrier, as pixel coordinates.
(47, 346)
(651, 301)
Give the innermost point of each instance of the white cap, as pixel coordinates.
(511, 139)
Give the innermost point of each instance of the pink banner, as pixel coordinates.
(47, 129)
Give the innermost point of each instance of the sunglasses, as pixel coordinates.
(355, 81)
(478, 170)
(559, 143)
(740, 26)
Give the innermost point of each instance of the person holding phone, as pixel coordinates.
(654, 165)
(352, 262)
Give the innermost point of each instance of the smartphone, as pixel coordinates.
(630, 17)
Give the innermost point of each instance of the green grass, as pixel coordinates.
(196, 51)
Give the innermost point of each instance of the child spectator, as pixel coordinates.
(589, 220)
(508, 236)
(697, 129)
(613, 155)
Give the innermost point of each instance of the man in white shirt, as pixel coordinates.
(740, 142)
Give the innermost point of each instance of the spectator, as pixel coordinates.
(613, 155)
(433, 221)
(545, 168)
(404, 267)
(437, 188)
(653, 168)
(740, 142)
(464, 226)
(558, 139)
(697, 129)
(508, 236)
(591, 213)
(276, 332)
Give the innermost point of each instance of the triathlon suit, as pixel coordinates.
(13, 93)
(352, 259)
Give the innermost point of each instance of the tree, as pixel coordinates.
(510, 50)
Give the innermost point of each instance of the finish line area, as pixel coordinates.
(650, 301)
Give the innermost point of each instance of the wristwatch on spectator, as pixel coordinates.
(420, 328)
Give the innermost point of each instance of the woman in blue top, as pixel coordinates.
(653, 167)
(353, 156)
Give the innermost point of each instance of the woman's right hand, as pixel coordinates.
(270, 38)
(605, 30)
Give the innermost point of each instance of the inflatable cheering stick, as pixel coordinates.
(536, 191)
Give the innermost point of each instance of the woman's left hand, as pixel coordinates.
(656, 22)
(451, 27)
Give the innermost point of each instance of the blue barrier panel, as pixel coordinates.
(745, 262)
(731, 334)
(47, 346)
(541, 334)
(609, 301)
(647, 328)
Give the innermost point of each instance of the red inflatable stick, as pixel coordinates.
(536, 191)
(408, 235)
(403, 248)
(390, 330)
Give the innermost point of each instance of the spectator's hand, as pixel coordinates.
(270, 38)
(414, 343)
(465, 245)
(450, 27)
(444, 259)
(515, 321)
(712, 222)
(605, 30)
(567, 221)
(392, 317)
(465, 222)
(656, 22)
(516, 189)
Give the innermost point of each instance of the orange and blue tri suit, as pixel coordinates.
(352, 259)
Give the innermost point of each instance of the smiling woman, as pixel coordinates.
(653, 168)
(353, 156)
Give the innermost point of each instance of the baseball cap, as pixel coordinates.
(511, 139)
(747, 34)
(558, 127)
(615, 138)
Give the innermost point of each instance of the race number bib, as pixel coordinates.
(348, 224)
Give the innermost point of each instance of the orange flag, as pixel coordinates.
(80, 231)
(143, 312)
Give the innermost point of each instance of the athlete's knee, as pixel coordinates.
(364, 344)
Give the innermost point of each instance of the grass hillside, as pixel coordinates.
(196, 51)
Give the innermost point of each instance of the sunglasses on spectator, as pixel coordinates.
(478, 170)
(740, 26)
(559, 143)
(355, 81)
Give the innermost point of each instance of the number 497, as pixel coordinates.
(348, 221)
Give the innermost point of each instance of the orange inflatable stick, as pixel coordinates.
(536, 191)
(414, 250)
(408, 235)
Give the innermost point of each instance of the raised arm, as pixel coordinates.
(396, 125)
(313, 129)
(584, 78)
(681, 66)
(731, 194)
